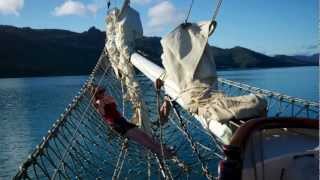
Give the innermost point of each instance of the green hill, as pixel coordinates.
(47, 52)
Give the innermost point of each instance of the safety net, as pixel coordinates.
(81, 146)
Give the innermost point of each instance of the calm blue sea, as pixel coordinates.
(302, 82)
(28, 106)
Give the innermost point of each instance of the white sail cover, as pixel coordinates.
(189, 62)
(187, 57)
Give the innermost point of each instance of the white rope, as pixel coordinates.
(121, 36)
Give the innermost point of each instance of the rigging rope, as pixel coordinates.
(215, 14)
(81, 146)
(96, 147)
(108, 4)
(189, 11)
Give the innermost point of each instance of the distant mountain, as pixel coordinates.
(239, 57)
(314, 59)
(46, 52)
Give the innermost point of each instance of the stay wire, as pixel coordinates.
(108, 4)
(189, 12)
(215, 14)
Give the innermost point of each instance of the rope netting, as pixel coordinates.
(81, 146)
(279, 105)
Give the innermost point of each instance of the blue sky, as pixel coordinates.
(267, 26)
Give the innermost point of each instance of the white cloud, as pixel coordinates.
(11, 6)
(92, 8)
(162, 15)
(71, 7)
(142, 2)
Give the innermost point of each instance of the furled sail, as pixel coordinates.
(123, 28)
(189, 63)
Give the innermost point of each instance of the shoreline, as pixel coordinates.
(80, 74)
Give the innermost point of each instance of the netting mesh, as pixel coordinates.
(81, 146)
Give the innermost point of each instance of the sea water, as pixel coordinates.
(301, 82)
(29, 106)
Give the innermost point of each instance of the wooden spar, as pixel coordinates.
(153, 72)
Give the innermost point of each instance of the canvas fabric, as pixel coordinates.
(189, 62)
